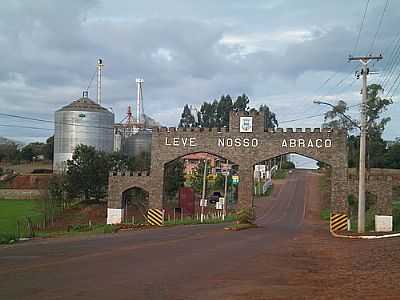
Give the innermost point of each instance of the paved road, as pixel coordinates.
(186, 262)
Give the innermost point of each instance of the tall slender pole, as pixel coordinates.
(99, 67)
(203, 195)
(139, 101)
(225, 211)
(363, 141)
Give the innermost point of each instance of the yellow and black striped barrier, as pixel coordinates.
(339, 222)
(155, 216)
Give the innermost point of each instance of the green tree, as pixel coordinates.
(208, 115)
(219, 183)
(392, 156)
(187, 118)
(87, 173)
(174, 177)
(224, 107)
(8, 152)
(335, 118)
(241, 103)
(376, 146)
(118, 162)
(27, 153)
(197, 176)
(270, 120)
(216, 113)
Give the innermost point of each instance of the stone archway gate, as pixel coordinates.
(245, 143)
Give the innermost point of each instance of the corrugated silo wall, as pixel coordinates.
(81, 127)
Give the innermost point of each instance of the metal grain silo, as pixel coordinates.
(81, 122)
(137, 143)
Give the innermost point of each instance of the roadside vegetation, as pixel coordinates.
(246, 219)
(207, 220)
(17, 219)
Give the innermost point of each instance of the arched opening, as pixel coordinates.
(290, 187)
(190, 177)
(135, 202)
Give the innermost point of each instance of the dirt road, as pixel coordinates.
(291, 256)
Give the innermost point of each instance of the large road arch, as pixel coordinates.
(246, 143)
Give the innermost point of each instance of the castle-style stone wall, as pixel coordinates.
(380, 182)
(242, 148)
(118, 183)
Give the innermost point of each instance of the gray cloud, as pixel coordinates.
(277, 52)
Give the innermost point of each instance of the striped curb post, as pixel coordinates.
(155, 217)
(339, 222)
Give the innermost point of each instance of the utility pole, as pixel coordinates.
(203, 195)
(363, 138)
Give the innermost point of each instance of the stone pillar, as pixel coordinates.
(245, 186)
(156, 189)
(339, 191)
(115, 211)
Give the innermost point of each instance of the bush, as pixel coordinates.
(7, 238)
(325, 214)
(108, 228)
(246, 216)
(79, 228)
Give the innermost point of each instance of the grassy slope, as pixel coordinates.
(12, 210)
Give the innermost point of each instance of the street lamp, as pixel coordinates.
(344, 115)
(361, 177)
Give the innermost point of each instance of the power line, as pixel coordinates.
(379, 26)
(391, 66)
(395, 45)
(312, 116)
(394, 83)
(326, 81)
(91, 80)
(27, 127)
(341, 81)
(361, 27)
(52, 122)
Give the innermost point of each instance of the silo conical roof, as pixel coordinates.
(84, 104)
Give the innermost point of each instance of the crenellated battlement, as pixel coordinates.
(130, 174)
(225, 130)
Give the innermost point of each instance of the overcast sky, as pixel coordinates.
(277, 52)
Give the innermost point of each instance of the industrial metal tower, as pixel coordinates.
(140, 120)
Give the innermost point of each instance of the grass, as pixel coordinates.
(13, 210)
(79, 230)
(192, 221)
(325, 214)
